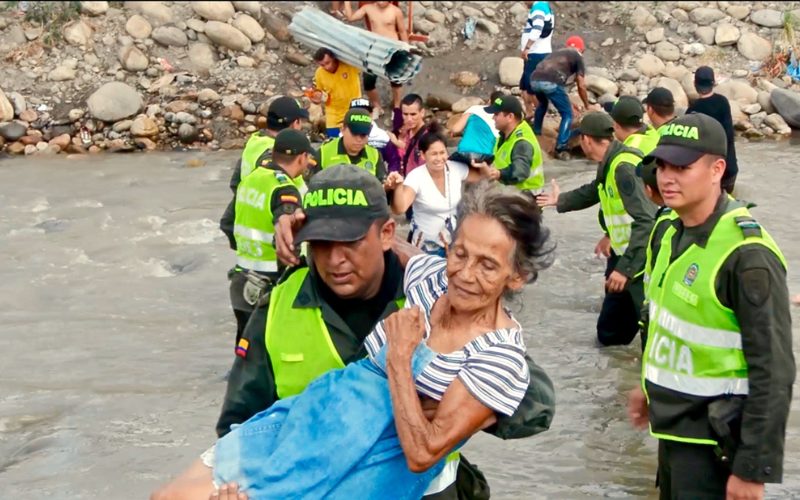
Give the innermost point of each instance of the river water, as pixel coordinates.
(116, 331)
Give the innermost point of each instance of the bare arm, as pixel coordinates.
(354, 16)
(402, 32)
(458, 416)
(404, 250)
(459, 126)
(403, 199)
(581, 82)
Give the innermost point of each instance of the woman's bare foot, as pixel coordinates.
(228, 491)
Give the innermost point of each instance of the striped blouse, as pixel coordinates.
(492, 366)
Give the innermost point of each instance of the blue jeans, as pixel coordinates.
(333, 132)
(546, 92)
(531, 62)
(336, 440)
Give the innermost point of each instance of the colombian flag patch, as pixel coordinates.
(288, 198)
(241, 349)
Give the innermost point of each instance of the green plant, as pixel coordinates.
(713, 56)
(49, 16)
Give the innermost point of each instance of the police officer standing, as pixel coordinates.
(628, 216)
(627, 113)
(265, 194)
(517, 155)
(352, 148)
(718, 368)
(660, 107)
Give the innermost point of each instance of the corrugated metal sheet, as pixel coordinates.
(386, 58)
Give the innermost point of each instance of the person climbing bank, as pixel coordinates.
(718, 369)
(628, 215)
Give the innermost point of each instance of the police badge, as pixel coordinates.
(691, 275)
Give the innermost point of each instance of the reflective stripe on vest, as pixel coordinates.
(502, 156)
(252, 227)
(446, 477)
(258, 144)
(329, 155)
(307, 353)
(618, 222)
(646, 142)
(694, 343)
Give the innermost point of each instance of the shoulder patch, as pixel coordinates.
(755, 285)
(750, 228)
(241, 349)
(519, 133)
(627, 186)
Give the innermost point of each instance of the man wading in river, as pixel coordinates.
(317, 319)
(718, 369)
(628, 216)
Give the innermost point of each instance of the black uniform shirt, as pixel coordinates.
(380, 168)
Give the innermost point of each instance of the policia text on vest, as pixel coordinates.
(719, 329)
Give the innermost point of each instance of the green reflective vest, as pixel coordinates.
(667, 214)
(646, 142)
(252, 226)
(258, 144)
(694, 344)
(618, 222)
(502, 156)
(329, 155)
(308, 352)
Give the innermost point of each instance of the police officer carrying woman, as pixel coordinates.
(718, 367)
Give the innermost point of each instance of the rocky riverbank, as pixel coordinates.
(123, 76)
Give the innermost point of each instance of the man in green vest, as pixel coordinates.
(352, 148)
(718, 369)
(317, 319)
(628, 216)
(284, 112)
(269, 191)
(660, 106)
(627, 113)
(517, 155)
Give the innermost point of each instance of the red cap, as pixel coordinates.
(575, 42)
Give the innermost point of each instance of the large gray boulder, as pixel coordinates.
(114, 101)
(249, 27)
(600, 85)
(214, 11)
(227, 36)
(170, 36)
(727, 34)
(753, 47)
(735, 90)
(787, 104)
(650, 65)
(768, 18)
(510, 71)
(155, 12)
(6, 109)
(667, 51)
(705, 16)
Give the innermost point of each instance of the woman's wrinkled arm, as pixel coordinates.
(458, 416)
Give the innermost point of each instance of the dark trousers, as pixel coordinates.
(690, 472)
(618, 323)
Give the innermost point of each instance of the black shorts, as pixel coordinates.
(371, 81)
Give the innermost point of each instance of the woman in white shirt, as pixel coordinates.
(434, 190)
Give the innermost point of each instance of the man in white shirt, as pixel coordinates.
(536, 44)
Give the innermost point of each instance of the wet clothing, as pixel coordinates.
(751, 282)
(252, 387)
(560, 67)
(531, 63)
(547, 92)
(631, 263)
(717, 107)
(690, 471)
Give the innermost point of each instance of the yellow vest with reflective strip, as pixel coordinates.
(329, 155)
(618, 222)
(694, 343)
(258, 144)
(646, 142)
(502, 156)
(252, 228)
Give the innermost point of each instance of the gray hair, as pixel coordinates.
(520, 216)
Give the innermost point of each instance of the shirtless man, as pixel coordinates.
(386, 20)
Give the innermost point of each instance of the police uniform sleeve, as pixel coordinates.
(316, 165)
(583, 197)
(534, 413)
(236, 178)
(251, 386)
(227, 221)
(753, 285)
(643, 211)
(285, 200)
(521, 159)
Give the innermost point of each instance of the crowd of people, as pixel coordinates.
(364, 361)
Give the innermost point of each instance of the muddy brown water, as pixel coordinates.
(116, 329)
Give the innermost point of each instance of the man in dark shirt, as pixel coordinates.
(547, 83)
(717, 107)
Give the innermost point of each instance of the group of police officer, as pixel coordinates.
(716, 331)
(706, 283)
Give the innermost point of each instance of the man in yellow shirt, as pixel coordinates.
(342, 84)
